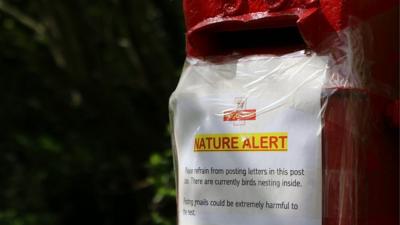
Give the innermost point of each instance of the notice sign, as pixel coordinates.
(247, 141)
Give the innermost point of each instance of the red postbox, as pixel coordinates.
(360, 152)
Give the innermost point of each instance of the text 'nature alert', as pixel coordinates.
(241, 142)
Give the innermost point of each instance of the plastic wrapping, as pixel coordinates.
(267, 134)
(302, 97)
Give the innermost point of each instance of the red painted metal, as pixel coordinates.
(360, 137)
(316, 20)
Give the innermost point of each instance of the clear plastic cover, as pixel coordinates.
(271, 138)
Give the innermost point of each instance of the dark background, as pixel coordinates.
(84, 90)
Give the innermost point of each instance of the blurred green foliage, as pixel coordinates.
(84, 89)
(162, 178)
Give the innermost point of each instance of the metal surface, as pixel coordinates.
(371, 115)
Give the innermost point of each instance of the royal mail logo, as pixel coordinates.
(240, 114)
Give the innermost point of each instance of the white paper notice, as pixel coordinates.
(247, 141)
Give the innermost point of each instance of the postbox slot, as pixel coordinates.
(278, 40)
(260, 40)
